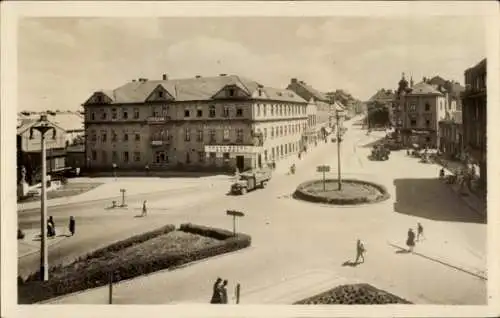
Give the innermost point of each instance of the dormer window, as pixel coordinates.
(99, 99)
(231, 92)
(186, 113)
(160, 94)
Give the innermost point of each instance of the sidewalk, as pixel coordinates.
(31, 242)
(134, 186)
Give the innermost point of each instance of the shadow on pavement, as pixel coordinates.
(350, 263)
(431, 199)
(402, 251)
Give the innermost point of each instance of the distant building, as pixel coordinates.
(474, 115)
(200, 123)
(29, 150)
(451, 135)
(322, 121)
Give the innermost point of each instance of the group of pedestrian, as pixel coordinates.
(219, 295)
(412, 238)
(51, 226)
(410, 242)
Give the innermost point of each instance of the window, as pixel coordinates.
(225, 111)
(125, 156)
(211, 111)
(286, 130)
(186, 113)
(413, 108)
(187, 134)
(113, 135)
(137, 137)
(427, 122)
(104, 155)
(92, 116)
(164, 110)
(136, 113)
(265, 109)
(113, 113)
(239, 112)
(226, 134)
(201, 156)
(272, 110)
(125, 137)
(103, 114)
(258, 110)
(265, 133)
(212, 157)
(156, 112)
(160, 94)
(114, 156)
(199, 113)
(94, 155)
(272, 132)
(413, 122)
(231, 92)
(125, 114)
(211, 133)
(137, 156)
(427, 107)
(239, 135)
(281, 130)
(199, 135)
(428, 139)
(104, 136)
(225, 156)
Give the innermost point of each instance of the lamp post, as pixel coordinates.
(339, 167)
(43, 126)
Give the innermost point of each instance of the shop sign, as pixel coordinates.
(232, 149)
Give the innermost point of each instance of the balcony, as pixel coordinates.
(157, 141)
(158, 119)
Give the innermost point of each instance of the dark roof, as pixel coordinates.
(196, 89)
(312, 91)
(382, 95)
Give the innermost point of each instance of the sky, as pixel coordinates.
(62, 61)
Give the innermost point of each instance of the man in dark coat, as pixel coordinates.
(216, 295)
(410, 242)
(72, 225)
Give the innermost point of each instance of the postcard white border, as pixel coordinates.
(11, 11)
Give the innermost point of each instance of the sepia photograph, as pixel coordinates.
(250, 160)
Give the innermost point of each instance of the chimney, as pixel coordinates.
(198, 76)
(294, 80)
(165, 77)
(222, 74)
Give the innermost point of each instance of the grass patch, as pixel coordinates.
(353, 192)
(66, 190)
(164, 248)
(357, 294)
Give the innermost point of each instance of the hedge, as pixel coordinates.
(301, 194)
(35, 291)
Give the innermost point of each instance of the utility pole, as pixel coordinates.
(339, 178)
(43, 126)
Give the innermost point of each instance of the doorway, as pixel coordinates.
(259, 161)
(240, 163)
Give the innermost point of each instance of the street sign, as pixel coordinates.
(235, 213)
(323, 168)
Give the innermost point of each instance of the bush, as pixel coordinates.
(91, 277)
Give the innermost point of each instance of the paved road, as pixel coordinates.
(297, 245)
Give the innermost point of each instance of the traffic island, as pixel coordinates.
(352, 192)
(164, 248)
(356, 294)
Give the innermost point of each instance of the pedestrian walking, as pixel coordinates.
(52, 226)
(223, 292)
(360, 252)
(216, 295)
(410, 241)
(72, 225)
(420, 231)
(144, 209)
(441, 173)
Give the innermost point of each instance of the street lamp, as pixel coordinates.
(339, 137)
(43, 126)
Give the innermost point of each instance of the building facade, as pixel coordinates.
(451, 135)
(320, 109)
(424, 108)
(201, 123)
(475, 117)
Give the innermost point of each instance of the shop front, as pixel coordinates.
(243, 157)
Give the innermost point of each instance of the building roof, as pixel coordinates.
(337, 106)
(196, 89)
(67, 120)
(424, 89)
(27, 123)
(311, 90)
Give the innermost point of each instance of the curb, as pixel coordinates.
(459, 268)
(38, 250)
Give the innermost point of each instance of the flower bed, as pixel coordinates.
(358, 294)
(353, 192)
(161, 249)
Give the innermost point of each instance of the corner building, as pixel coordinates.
(198, 124)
